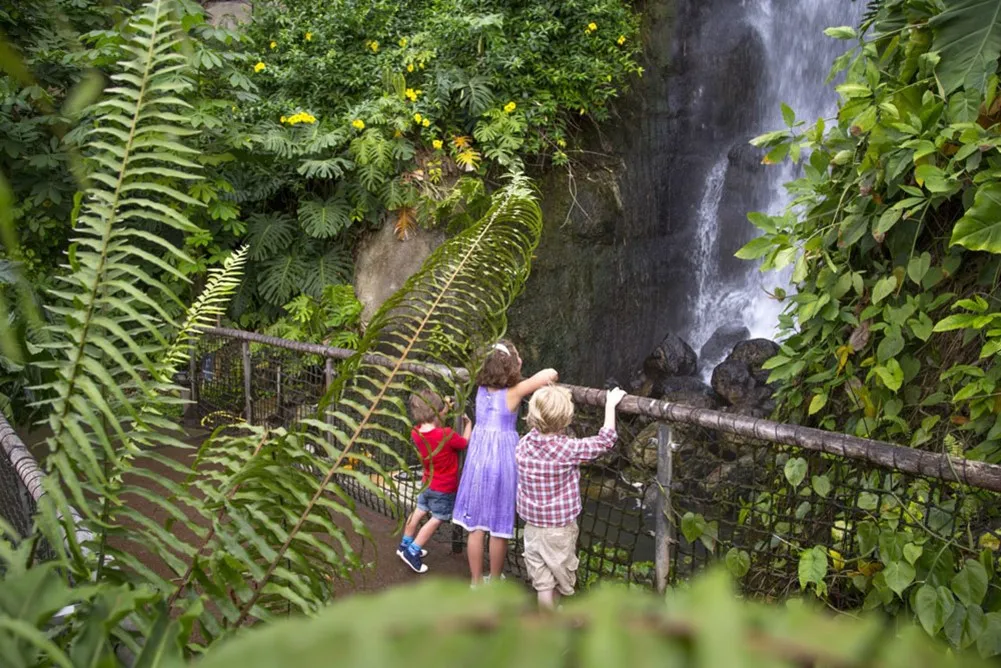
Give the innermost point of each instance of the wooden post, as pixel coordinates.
(664, 520)
(247, 371)
(193, 373)
(279, 411)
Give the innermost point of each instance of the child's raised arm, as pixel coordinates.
(529, 385)
(467, 427)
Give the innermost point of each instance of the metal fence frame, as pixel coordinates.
(881, 455)
(20, 470)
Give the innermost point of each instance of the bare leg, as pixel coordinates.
(424, 535)
(474, 552)
(498, 551)
(413, 522)
(547, 599)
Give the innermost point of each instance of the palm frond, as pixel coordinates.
(443, 315)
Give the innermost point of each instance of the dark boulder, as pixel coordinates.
(672, 357)
(686, 390)
(722, 341)
(733, 381)
(753, 353)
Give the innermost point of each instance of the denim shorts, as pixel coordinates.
(439, 504)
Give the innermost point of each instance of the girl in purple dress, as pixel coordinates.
(484, 503)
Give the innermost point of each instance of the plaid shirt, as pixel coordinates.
(549, 477)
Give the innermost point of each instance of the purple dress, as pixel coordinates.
(489, 484)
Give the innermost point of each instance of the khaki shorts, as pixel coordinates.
(551, 557)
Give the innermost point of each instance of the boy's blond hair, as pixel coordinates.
(550, 409)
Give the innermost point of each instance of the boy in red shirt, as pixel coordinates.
(438, 447)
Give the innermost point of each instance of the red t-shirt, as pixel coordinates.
(442, 467)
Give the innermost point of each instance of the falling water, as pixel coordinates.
(798, 57)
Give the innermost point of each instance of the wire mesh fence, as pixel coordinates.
(681, 489)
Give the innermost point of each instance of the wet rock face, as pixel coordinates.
(722, 342)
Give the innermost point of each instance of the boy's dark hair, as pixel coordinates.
(426, 407)
(502, 368)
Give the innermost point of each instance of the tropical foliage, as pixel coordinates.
(894, 243)
(216, 551)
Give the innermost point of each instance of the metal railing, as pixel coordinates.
(683, 487)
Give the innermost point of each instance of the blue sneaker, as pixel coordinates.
(424, 553)
(412, 560)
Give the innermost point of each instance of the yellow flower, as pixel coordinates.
(403, 42)
(621, 40)
(418, 118)
(411, 94)
(509, 107)
(591, 27)
(259, 67)
(309, 37)
(358, 124)
(282, 119)
(437, 144)
(426, 122)
(421, 65)
(410, 67)
(374, 45)
(274, 44)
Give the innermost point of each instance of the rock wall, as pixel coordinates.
(595, 303)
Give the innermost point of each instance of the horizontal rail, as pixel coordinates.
(907, 460)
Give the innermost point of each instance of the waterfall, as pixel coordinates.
(790, 59)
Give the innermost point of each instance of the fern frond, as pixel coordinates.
(210, 305)
(443, 314)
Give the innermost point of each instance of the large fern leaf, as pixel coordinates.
(444, 314)
(324, 218)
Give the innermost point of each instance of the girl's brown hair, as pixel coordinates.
(426, 407)
(502, 368)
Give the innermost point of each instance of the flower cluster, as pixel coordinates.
(358, 124)
(412, 94)
(509, 107)
(591, 27)
(309, 37)
(301, 117)
(403, 42)
(420, 120)
(259, 67)
(437, 144)
(621, 40)
(273, 44)
(374, 45)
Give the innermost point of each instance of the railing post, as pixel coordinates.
(247, 370)
(328, 381)
(456, 531)
(664, 521)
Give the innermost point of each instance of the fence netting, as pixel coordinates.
(752, 504)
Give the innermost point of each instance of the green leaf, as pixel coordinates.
(899, 575)
(817, 403)
(964, 625)
(891, 374)
(883, 289)
(912, 553)
(933, 605)
(989, 641)
(841, 32)
(821, 485)
(888, 220)
(970, 583)
(738, 562)
(932, 178)
(980, 228)
(918, 267)
(788, 115)
(967, 36)
(795, 471)
(693, 525)
(754, 248)
(812, 566)
(323, 219)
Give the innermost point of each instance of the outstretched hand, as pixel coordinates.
(614, 396)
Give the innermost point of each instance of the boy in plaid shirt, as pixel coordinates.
(549, 488)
